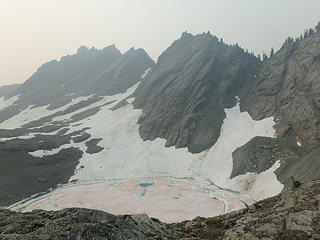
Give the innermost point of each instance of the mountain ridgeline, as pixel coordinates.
(89, 71)
(182, 98)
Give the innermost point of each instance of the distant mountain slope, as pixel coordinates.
(88, 72)
(100, 72)
(7, 89)
(184, 97)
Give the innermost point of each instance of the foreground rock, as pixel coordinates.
(294, 214)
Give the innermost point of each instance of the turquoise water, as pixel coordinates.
(143, 194)
(145, 185)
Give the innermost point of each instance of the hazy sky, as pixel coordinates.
(35, 31)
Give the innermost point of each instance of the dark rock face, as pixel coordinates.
(93, 147)
(303, 164)
(184, 97)
(294, 214)
(23, 175)
(288, 87)
(258, 155)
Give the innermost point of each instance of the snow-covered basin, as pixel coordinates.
(203, 188)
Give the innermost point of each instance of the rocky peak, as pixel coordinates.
(82, 50)
(193, 81)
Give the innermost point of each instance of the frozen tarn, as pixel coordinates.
(182, 201)
(145, 73)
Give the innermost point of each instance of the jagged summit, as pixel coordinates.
(82, 49)
(85, 73)
(193, 81)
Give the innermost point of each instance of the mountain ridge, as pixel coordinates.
(172, 125)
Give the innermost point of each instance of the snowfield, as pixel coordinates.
(184, 185)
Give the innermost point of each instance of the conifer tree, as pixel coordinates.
(259, 57)
(264, 57)
(318, 27)
(272, 52)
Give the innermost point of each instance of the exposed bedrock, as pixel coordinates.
(257, 155)
(287, 87)
(23, 175)
(93, 147)
(184, 97)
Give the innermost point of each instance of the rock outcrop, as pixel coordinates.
(294, 214)
(287, 86)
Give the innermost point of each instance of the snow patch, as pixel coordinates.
(238, 129)
(7, 103)
(145, 73)
(32, 114)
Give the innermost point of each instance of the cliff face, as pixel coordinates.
(287, 87)
(184, 97)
